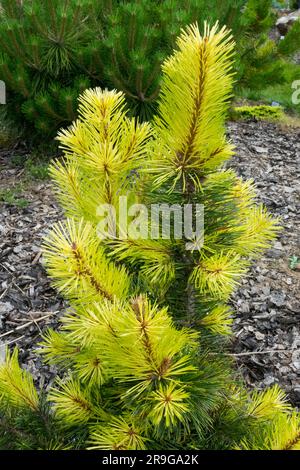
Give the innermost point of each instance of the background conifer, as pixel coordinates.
(51, 51)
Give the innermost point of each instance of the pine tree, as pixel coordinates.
(140, 349)
(47, 52)
(139, 35)
(259, 60)
(262, 60)
(51, 51)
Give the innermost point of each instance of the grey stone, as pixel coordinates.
(278, 298)
(285, 22)
(260, 149)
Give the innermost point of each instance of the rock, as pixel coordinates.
(260, 149)
(269, 380)
(284, 23)
(2, 353)
(244, 307)
(5, 307)
(278, 245)
(296, 365)
(278, 299)
(275, 253)
(266, 290)
(259, 336)
(283, 370)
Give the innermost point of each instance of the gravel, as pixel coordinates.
(267, 304)
(28, 304)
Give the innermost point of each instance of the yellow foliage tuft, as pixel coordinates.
(219, 274)
(77, 263)
(16, 385)
(196, 86)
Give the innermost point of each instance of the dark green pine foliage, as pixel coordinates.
(53, 50)
(47, 58)
(262, 60)
(140, 34)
